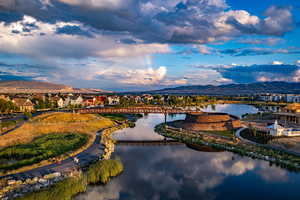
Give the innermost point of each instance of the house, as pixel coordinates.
(277, 130)
(40, 97)
(6, 98)
(113, 100)
(60, 103)
(89, 101)
(147, 97)
(25, 105)
(137, 99)
(76, 100)
(100, 100)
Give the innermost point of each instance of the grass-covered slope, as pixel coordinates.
(48, 136)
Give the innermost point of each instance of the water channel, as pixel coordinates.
(165, 172)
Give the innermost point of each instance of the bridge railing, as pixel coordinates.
(135, 110)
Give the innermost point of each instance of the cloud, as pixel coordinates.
(204, 49)
(118, 40)
(257, 51)
(171, 21)
(263, 41)
(254, 73)
(298, 62)
(138, 77)
(135, 50)
(277, 22)
(277, 63)
(73, 30)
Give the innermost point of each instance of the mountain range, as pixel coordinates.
(234, 89)
(42, 87)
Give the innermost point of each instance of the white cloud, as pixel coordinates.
(96, 3)
(298, 62)
(203, 49)
(277, 62)
(266, 41)
(135, 50)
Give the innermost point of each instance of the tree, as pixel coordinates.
(7, 106)
(28, 115)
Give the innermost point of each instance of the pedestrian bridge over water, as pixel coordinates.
(148, 142)
(137, 110)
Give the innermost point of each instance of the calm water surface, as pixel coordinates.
(178, 172)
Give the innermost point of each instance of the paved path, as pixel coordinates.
(22, 122)
(17, 126)
(91, 154)
(238, 135)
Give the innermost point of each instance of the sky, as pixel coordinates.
(130, 45)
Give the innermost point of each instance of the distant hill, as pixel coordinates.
(234, 89)
(40, 87)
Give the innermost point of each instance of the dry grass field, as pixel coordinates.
(55, 123)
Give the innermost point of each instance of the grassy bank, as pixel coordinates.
(130, 119)
(42, 148)
(228, 134)
(7, 125)
(53, 124)
(280, 158)
(100, 172)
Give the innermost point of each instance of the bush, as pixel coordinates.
(100, 172)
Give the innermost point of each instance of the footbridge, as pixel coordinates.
(148, 142)
(136, 110)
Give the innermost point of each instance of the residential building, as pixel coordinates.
(6, 98)
(89, 101)
(76, 100)
(290, 114)
(113, 100)
(60, 103)
(25, 105)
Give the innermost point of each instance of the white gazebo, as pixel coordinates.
(276, 130)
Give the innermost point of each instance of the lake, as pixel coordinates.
(179, 172)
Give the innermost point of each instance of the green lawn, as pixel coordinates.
(115, 117)
(221, 133)
(258, 137)
(41, 148)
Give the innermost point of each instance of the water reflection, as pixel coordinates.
(144, 128)
(177, 172)
(234, 109)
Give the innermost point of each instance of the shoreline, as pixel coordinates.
(16, 189)
(277, 157)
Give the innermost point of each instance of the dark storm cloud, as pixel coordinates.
(128, 41)
(25, 71)
(5, 76)
(73, 30)
(152, 21)
(254, 73)
(257, 51)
